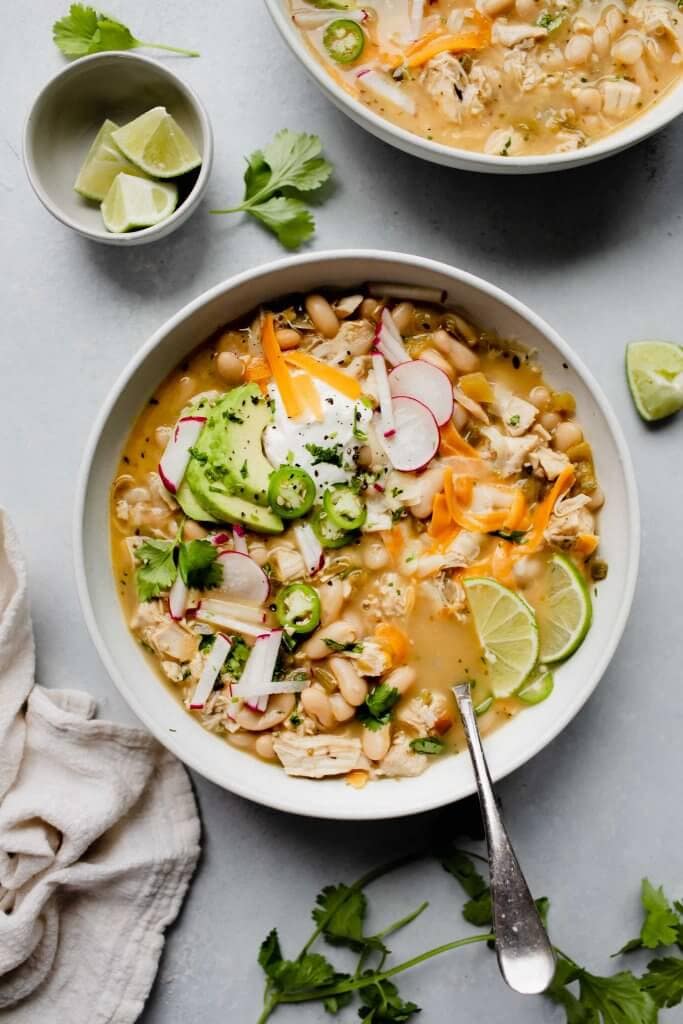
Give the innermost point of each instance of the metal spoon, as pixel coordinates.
(525, 955)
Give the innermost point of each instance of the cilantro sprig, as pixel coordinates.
(275, 179)
(376, 709)
(84, 30)
(160, 561)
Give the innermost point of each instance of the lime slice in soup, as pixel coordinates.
(507, 630)
(157, 144)
(655, 377)
(137, 203)
(564, 611)
(103, 162)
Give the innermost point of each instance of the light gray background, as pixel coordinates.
(598, 253)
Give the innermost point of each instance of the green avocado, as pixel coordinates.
(228, 473)
(190, 505)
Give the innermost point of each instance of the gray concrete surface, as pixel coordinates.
(598, 253)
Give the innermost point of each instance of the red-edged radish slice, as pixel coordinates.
(414, 293)
(310, 548)
(235, 625)
(416, 440)
(259, 704)
(233, 609)
(257, 676)
(239, 539)
(386, 89)
(178, 598)
(219, 539)
(243, 578)
(428, 384)
(416, 15)
(388, 340)
(386, 410)
(177, 452)
(212, 666)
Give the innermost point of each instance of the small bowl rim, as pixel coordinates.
(189, 204)
(647, 123)
(284, 798)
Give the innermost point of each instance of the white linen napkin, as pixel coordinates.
(99, 838)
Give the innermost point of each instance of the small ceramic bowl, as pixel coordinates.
(69, 111)
(451, 777)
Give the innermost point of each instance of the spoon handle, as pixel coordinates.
(525, 955)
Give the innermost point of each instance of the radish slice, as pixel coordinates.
(232, 609)
(177, 452)
(416, 440)
(243, 578)
(220, 538)
(239, 539)
(257, 677)
(228, 622)
(389, 342)
(310, 548)
(212, 666)
(382, 86)
(414, 293)
(384, 395)
(314, 19)
(428, 384)
(259, 704)
(177, 598)
(416, 16)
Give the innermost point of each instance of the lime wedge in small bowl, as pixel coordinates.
(103, 162)
(655, 376)
(157, 144)
(137, 203)
(507, 631)
(564, 612)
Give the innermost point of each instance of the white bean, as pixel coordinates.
(323, 316)
(353, 688)
(549, 420)
(601, 40)
(230, 367)
(403, 316)
(376, 743)
(493, 8)
(430, 483)
(375, 556)
(341, 709)
(614, 20)
(578, 50)
(460, 417)
(264, 747)
(280, 706)
(316, 703)
(540, 397)
(597, 499)
(193, 531)
(527, 570)
(288, 338)
(402, 678)
(628, 49)
(526, 9)
(463, 359)
(430, 355)
(589, 101)
(567, 434)
(331, 600)
(370, 308)
(315, 648)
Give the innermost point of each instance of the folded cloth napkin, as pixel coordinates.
(99, 838)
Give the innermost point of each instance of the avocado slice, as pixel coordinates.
(190, 505)
(228, 473)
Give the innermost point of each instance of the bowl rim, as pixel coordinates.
(542, 739)
(635, 131)
(191, 201)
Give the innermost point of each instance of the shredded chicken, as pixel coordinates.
(461, 552)
(518, 416)
(400, 761)
(315, 757)
(510, 35)
(373, 659)
(287, 564)
(569, 519)
(619, 97)
(445, 80)
(423, 712)
(511, 453)
(548, 462)
(164, 636)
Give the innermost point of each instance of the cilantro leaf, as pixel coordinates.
(458, 864)
(382, 1004)
(334, 455)
(334, 645)
(287, 218)
(340, 911)
(237, 658)
(197, 564)
(332, 5)
(270, 954)
(617, 1000)
(84, 30)
(375, 711)
(428, 745)
(333, 1004)
(309, 972)
(664, 981)
(576, 1012)
(550, 21)
(514, 536)
(661, 924)
(292, 162)
(156, 571)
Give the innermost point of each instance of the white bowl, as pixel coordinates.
(447, 779)
(68, 112)
(651, 121)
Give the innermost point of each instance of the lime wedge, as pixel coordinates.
(137, 203)
(507, 630)
(564, 612)
(157, 144)
(655, 377)
(538, 689)
(103, 162)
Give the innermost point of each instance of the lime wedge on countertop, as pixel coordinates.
(507, 631)
(655, 376)
(103, 162)
(137, 203)
(156, 143)
(564, 612)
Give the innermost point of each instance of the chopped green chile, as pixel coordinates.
(344, 507)
(291, 492)
(344, 40)
(329, 535)
(598, 569)
(538, 690)
(298, 608)
(485, 706)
